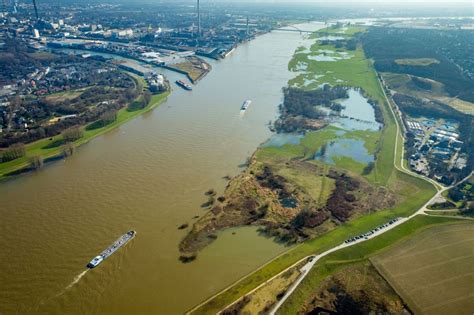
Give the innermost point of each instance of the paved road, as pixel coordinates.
(313, 259)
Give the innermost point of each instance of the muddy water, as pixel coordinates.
(148, 175)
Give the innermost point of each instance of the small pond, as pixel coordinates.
(350, 148)
(280, 139)
(357, 114)
(289, 202)
(300, 67)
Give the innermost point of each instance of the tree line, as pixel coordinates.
(452, 48)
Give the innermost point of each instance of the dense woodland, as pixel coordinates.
(300, 105)
(453, 49)
(16, 61)
(87, 107)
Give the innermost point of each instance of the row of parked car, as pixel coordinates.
(371, 232)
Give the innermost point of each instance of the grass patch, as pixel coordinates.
(318, 187)
(416, 61)
(267, 295)
(403, 83)
(42, 55)
(430, 285)
(339, 31)
(64, 96)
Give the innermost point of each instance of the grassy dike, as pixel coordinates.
(355, 72)
(44, 149)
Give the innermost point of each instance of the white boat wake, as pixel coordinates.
(75, 281)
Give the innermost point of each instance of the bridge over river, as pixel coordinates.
(292, 28)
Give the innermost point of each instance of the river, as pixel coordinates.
(149, 175)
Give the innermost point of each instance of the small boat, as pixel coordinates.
(184, 85)
(245, 105)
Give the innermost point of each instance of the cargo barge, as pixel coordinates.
(184, 85)
(245, 105)
(124, 239)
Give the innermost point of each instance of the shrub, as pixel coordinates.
(108, 118)
(36, 162)
(147, 98)
(136, 105)
(15, 151)
(68, 150)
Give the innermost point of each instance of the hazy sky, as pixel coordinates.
(425, 2)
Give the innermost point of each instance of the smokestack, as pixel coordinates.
(199, 19)
(247, 25)
(36, 9)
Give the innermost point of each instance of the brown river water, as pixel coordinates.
(149, 175)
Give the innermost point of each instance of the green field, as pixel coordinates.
(433, 270)
(45, 148)
(335, 30)
(403, 83)
(66, 95)
(360, 253)
(417, 61)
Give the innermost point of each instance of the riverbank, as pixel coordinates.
(43, 148)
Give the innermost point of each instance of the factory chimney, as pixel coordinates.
(248, 31)
(36, 9)
(199, 19)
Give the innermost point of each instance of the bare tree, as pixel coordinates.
(68, 150)
(36, 162)
(147, 98)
